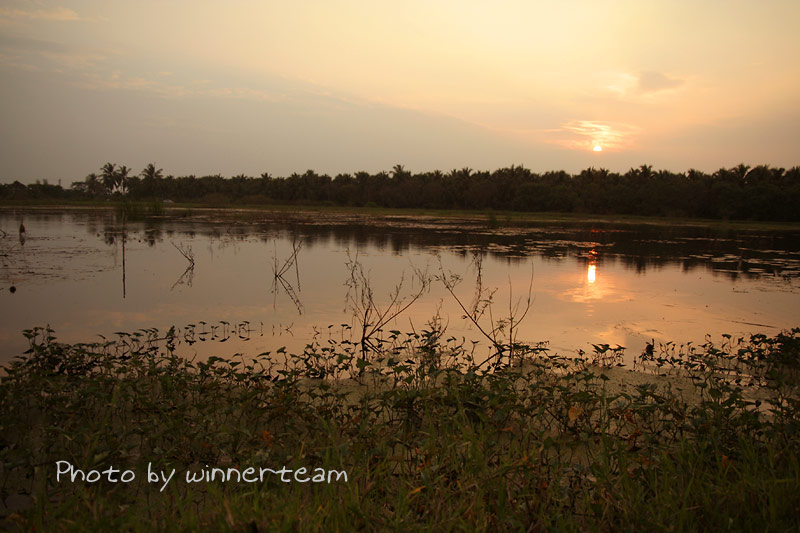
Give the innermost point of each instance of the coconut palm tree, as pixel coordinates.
(399, 172)
(122, 179)
(109, 176)
(150, 175)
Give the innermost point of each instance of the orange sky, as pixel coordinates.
(251, 86)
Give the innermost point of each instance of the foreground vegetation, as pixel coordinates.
(739, 193)
(430, 438)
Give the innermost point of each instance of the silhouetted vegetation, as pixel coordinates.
(428, 439)
(742, 192)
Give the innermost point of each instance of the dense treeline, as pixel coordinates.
(742, 192)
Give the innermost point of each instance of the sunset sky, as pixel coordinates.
(202, 87)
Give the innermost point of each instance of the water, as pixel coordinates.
(85, 274)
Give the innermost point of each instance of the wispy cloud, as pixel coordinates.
(160, 85)
(96, 69)
(652, 82)
(640, 84)
(585, 134)
(115, 80)
(75, 60)
(61, 14)
(13, 61)
(38, 54)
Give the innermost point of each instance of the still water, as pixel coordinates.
(86, 273)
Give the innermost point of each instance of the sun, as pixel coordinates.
(597, 148)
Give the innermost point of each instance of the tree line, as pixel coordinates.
(742, 192)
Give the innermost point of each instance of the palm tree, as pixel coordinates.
(109, 176)
(399, 172)
(149, 177)
(740, 172)
(122, 178)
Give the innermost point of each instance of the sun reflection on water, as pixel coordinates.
(591, 272)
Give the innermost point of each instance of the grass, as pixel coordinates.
(429, 440)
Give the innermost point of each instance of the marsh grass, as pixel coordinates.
(139, 210)
(430, 440)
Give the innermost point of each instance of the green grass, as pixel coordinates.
(430, 441)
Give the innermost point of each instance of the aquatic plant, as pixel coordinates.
(371, 316)
(501, 331)
(278, 274)
(550, 443)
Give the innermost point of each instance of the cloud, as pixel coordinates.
(37, 54)
(208, 133)
(157, 85)
(95, 69)
(585, 134)
(641, 84)
(653, 82)
(60, 14)
(28, 44)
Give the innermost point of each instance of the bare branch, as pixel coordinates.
(278, 274)
(360, 300)
(500, 333)
(185, 252)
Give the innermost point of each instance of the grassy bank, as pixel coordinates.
(428, 439)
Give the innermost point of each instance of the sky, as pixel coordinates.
(246, 87)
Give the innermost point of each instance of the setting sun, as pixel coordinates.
(597, 148)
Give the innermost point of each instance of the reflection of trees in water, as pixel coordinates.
(729, 253)
(732, 253)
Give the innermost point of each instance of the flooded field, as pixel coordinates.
(243, 282)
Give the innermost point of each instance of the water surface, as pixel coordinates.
(87, 273)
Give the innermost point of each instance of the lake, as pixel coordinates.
(249, 281)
